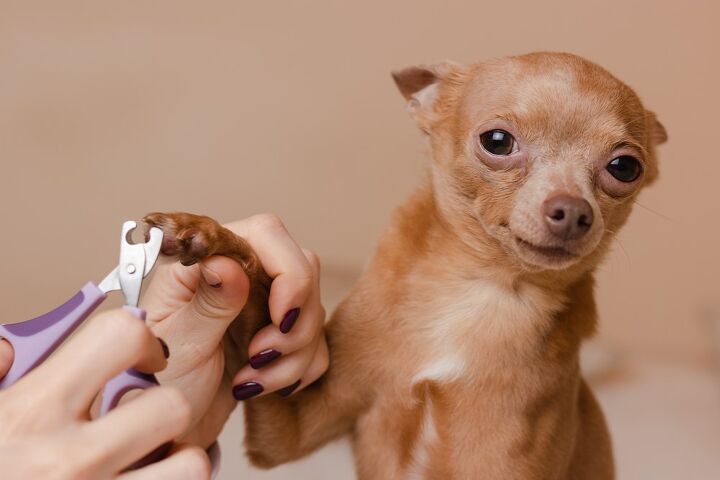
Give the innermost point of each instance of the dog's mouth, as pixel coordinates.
(548, 253)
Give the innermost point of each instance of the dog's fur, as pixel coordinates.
(456, 354)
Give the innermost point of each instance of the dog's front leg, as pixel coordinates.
(278, 429)
(281, 429)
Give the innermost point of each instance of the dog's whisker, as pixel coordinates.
(665, 217)
(622, 247)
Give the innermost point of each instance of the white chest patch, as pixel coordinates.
(428, 435)
(447, 368)
(467, 330)
(476, 323)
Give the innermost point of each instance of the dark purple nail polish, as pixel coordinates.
(189, 263)
(247, 390)
(286, 391)
(289, 320)
(216, 285)
(165, 348)
(261, 359)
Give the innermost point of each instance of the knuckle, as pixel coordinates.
(196, 463)
(267, 221)
(178, 404)
(121, 325)
(53, 454)
(323, 361)
(60, 468)
(133, 333)
(303, 280)
(106, 322)
(306, 336)
(313, 259)
(85, 457)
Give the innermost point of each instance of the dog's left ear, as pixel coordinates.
(656, 131)
(421, 87)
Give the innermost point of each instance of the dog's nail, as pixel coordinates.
(196, 246)
(247, 390)
(261, 359)
(289, 320)
(165, 348)
(287, 391)
(210, 276)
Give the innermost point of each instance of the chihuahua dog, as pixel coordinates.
(456, 354)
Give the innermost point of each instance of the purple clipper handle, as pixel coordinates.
(128, 380)
(131, 380)
(34, 340)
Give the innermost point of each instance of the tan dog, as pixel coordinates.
(456, 354)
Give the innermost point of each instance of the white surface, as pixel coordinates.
(665, 421)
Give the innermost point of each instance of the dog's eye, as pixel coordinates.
(625, 168)
(498, 142)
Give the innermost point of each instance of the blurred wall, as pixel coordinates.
(112, 109)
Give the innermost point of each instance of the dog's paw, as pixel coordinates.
(192, 237)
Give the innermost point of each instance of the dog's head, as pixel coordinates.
(540, 155)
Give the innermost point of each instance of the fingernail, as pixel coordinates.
(165, 348)
(247, 390)
(289, 320)
(261, 359)
(210, 276)
(189, 262)
(286, 391)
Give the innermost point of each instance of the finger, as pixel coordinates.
(137, 427)
(317, 369)
(221, 291)
(284, 262)
(249, 382)
(7, 355)
(186, 463)
(270, 343)
(109, 344)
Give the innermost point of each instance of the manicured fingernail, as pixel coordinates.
(189, 262)
(247, 390)
(261, 359)
(211, 277)
(165, 348)
(289, 320)
(286, 391)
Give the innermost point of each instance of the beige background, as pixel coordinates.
(112, 109)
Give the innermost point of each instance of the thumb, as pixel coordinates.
(221, 293)
(224, 291)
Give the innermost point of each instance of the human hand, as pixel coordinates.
(192, 307)
(47, 431)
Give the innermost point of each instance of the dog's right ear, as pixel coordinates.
(420, 86)
(657, 134)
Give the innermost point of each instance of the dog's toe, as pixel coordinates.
(190, 237)
(192, 246)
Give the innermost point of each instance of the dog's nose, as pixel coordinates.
(568, 217)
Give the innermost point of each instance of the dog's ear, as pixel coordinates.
(420, 86)
(656, 131)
